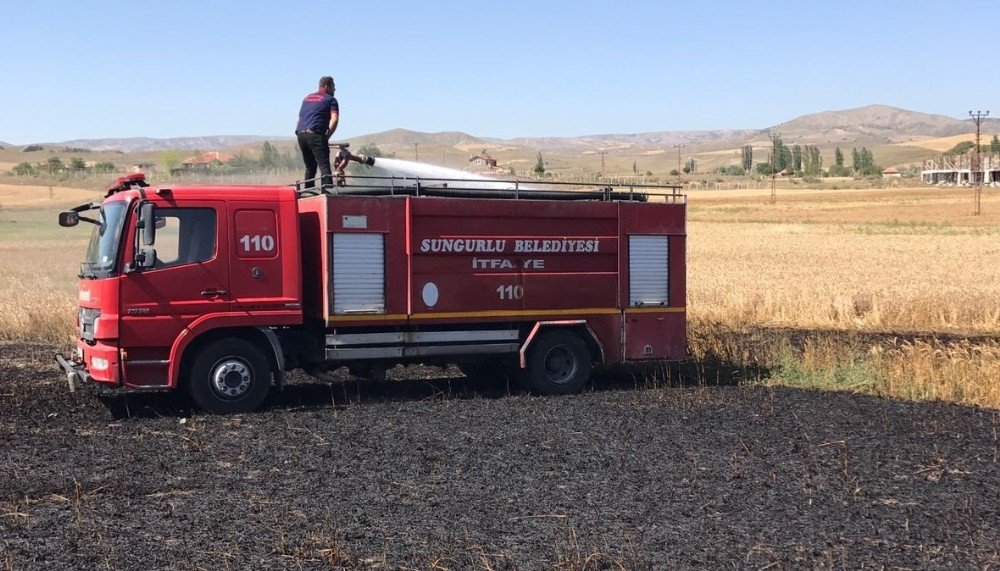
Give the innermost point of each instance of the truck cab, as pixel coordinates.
(172, 267)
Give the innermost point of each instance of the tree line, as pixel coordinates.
(55, 165)
(804, 160)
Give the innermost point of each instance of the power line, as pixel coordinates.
(977, 169)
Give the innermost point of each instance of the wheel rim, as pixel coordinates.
(231, 378)
(560, 365)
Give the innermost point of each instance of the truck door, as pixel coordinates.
(255, 270)
(190, 280)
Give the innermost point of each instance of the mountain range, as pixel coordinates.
(869, 125)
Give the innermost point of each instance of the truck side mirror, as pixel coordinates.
(147, 223)
(69, 219)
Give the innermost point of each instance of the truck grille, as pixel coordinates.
(88, 320)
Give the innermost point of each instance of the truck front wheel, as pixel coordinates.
(229, 376)
(559, 363)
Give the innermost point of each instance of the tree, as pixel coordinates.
(690, 166)
(763, 168)
(812, 161)
(838, 157)
(747, 162)
(782, 156)
(540, 165)
(961, 148)
(675, 172)
(104, 167)
(995, 144)
(171, 159)
(54, 165)
(734, 170)
(76, 163)
(855, 160)
(797, 158)
(24, 169)
(270, 158)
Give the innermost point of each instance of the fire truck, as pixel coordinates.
(222, 290)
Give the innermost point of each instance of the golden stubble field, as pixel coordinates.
(893, 292)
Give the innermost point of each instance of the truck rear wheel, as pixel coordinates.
(559, 363)
(230, 376)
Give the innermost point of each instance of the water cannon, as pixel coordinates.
(344, 156)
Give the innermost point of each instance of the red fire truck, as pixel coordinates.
(222, 289)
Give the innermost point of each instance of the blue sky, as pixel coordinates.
(505, 69)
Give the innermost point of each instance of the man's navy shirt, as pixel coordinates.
(315, 112)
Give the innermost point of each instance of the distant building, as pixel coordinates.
(482, 161)
(962, 170)
(203, 160)
(891, 172)
(143, 167)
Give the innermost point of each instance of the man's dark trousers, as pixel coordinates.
(315, 153)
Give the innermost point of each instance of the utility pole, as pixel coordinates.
(774, 166)
(679, 147)
(977, 169)
(603, 152)
(416, 154)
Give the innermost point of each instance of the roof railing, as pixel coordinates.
(369, 185)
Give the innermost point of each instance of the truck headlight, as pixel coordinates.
(99, 364)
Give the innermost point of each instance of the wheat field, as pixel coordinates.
(892, 292)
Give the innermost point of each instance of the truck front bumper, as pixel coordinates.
(90, 363)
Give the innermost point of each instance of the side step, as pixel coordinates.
(399, 345)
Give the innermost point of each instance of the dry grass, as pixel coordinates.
(843, 277)
(943, 144)
(43, 196)
(38, 289)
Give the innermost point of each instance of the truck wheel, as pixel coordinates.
(229, 376)
(559, 363)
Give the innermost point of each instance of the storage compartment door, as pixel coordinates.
(648, 321)
(648, 275)
(358, 273)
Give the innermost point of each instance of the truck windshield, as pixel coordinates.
(102, 251)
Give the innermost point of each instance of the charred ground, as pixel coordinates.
(442, 471)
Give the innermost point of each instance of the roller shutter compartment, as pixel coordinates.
(358, 273)
(648, 274)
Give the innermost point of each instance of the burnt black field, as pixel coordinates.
(441, 472)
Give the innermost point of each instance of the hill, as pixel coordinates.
(147, 144)
(407, 137)
(873, 124)
(646, 140)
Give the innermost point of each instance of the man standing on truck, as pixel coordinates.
(318, 118)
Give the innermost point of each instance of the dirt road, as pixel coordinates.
(439, 471)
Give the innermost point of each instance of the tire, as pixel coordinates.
(559, 363)
(229, 376)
